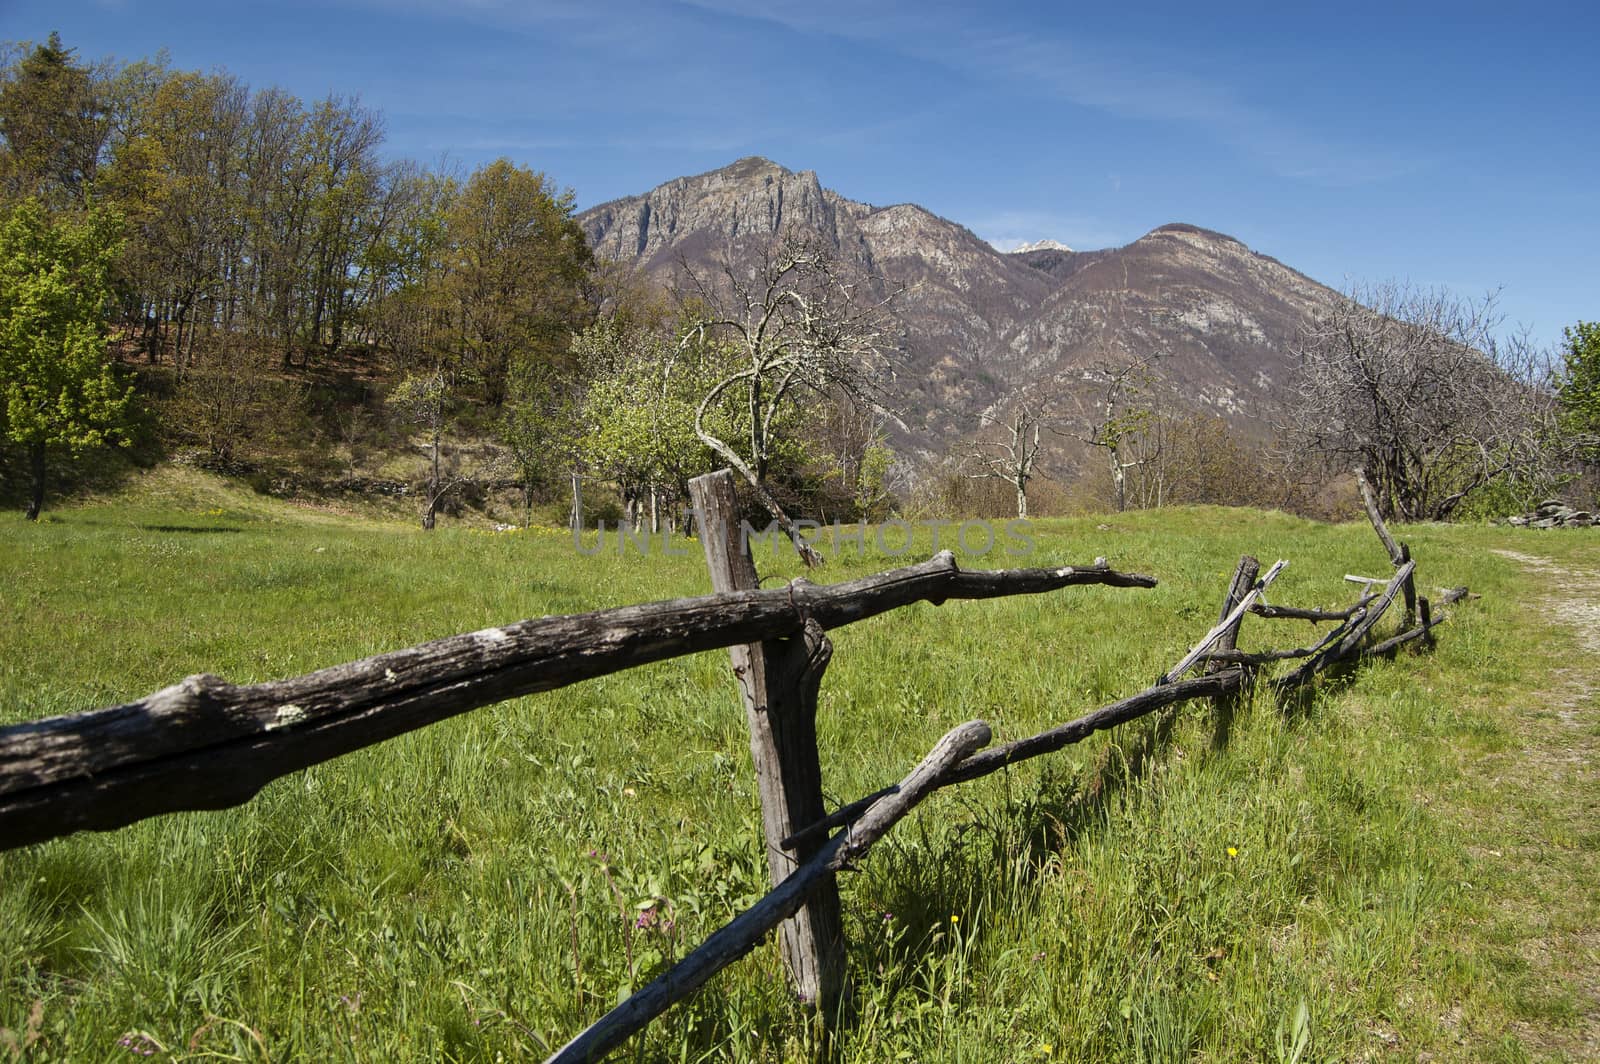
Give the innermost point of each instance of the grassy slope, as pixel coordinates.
(475, 889)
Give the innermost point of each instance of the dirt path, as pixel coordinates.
(1551, 817)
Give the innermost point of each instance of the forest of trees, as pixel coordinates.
(193, 267)
(268, 284)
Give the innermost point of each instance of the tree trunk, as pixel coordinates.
(177, 347)
(36, 469)
(429, 515)
(575, 520)
(1022, 501)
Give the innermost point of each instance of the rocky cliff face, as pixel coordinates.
(696, 216)
(980, 327)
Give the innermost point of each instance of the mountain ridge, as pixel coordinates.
(982, 327)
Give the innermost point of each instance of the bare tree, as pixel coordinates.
(1013, 454)
(1415, 387)
(796, 324)
(854, 438)
(1123, 424)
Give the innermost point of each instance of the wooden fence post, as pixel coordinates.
(1223, 706)
(1244, 578)
(779, 680)
(1409, 590)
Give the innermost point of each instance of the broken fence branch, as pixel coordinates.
(1262, 609)
(208, 744)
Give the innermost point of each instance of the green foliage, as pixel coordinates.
(517, 264)
(421, 398)
(638, 410)
(871, 495)
(1579, 387)
(230, 403)
(51, 124)
(537, 428)
(409, 308)
(58, 389)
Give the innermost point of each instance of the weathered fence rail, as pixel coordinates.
(206, 744)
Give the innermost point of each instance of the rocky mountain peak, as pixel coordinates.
(749, 166)
(751, 198)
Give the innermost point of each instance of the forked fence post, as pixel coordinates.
(1409, 590)
(1244, 579)
(1223, 706)
(1399, 553)
(779, 680)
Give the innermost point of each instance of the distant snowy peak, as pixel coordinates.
(1040, 245)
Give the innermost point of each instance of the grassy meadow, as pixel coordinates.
(1356, 876)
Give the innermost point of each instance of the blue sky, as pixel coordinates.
(1444, 144)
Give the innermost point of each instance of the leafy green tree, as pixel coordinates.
(181, 171)
(538, 430)
(638, 411)
(340, 144)
(424, 399)
(52, 126)
(407, 307)
(58, 389)
(519, 266)
(1580, 386)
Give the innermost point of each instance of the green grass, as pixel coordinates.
(471, 892)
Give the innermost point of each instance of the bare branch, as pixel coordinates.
(1417, 388)
(799, 326)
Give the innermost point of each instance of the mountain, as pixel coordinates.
(981, 327)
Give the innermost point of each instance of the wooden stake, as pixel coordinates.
(779, 680)
(1224, 706)
(1231, 619)
(1244, 578)
(1399, 553)
(1409, 588)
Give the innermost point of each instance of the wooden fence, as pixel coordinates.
(207, 744)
